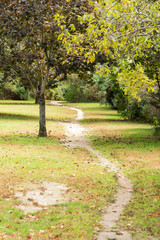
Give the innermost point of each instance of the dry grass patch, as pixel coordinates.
(149, 160)
(111, 128)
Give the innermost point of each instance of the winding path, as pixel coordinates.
(75, 137)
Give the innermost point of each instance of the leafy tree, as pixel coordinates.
(121, 30)
(30, 45)
(128, 33)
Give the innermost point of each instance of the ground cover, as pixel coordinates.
(135, 149)
(26, 159)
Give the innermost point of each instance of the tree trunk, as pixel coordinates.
(37, 99)
(42, 117)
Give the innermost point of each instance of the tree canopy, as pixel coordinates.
(124, 31)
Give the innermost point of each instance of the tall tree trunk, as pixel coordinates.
(42, 117)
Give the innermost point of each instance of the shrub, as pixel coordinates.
(132, 110)
(56, 93)
(78, 90)
(21, 92)
(12, 90)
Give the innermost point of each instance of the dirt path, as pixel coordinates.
(75, 137)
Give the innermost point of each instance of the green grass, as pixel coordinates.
(29, 110)
(135, 148)
(26, 159)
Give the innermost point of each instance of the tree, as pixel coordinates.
(127, 32)
(121, 30)
(30, 45)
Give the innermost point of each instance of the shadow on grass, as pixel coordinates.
(7, 116)
(96, 120)
(100, 108)
(26, 103)
(29, 139)
(17, 103)
(16, 116)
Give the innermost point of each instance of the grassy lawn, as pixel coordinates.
(136, 149)
(26, 159)
(27, 110)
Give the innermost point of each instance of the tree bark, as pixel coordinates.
(38, 93)
(37, 99)
(42, 117)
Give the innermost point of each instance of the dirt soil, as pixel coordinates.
(40, 195)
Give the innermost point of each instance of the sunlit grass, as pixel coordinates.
(135, 149)
(26, 158)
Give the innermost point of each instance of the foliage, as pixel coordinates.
(122, 30)
(10, 90)
(78, 90)
(143, 103)
(134, 99)
(21, 91)
(30, 43)
(127, 34)
(132, 82)
(109, 90)
(56, 93)
(133, 110)
(41, 42)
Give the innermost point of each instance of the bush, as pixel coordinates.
(56, 94)
(132, 110)
(21, 92)
(147, 110)
(78, 90)
(8, 90)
